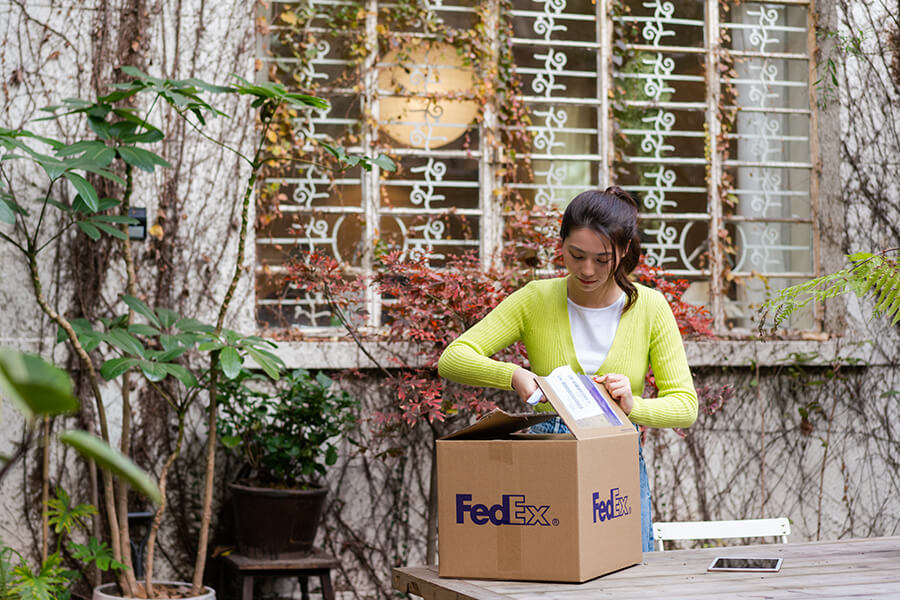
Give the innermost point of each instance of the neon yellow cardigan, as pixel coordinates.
(537, 315)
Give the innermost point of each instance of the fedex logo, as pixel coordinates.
(615, 506)
(511, 510)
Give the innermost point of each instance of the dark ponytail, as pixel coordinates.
(613, 214)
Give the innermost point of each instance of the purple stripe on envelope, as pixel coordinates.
(601, 401)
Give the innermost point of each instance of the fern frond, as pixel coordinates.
(889, 295)
(874, 274)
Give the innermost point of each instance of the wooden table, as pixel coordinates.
(861, 568)
(314, 564)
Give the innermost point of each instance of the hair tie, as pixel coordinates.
(622, 195)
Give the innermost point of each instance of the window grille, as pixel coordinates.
(704, 111)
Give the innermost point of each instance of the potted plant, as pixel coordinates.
(129, 339)
(286, 438)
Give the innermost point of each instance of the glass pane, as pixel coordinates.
(555, 49)
(660, 112)
(768, 152)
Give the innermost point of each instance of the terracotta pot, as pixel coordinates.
(109, 591)
(276, 523)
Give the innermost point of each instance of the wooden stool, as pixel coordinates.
(315, 564)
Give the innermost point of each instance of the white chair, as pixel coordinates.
(711, 530)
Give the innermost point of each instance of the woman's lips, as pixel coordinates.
(586, 281)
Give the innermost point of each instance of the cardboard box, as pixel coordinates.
(562, 507)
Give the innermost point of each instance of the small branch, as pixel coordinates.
(45, 491)
(165, 395)
(351, 329)
(13, 242)
(294, 159)
(157, 517)
(20, 451)
(109, 497)
(55, 236)
(206, 511)
(37, 230)
(28, 17)
(220, 143)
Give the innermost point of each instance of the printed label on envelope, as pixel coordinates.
(580, 396)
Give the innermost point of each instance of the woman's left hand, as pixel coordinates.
(619, 387)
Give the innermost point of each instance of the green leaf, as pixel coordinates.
(323, 380)
(7, 212)
(150, 136)
(331, 455)
(138, 306)
(85, 189)
(107, 203)
(193, 326)
(267, 361)
(117, 219)
(211, 345)
(384, 161)
(87, 337)
(110, 230)
(230, 441)
(111, 460)
(306, 100)
(92, 151)
(153, 370)
(181, 374)
(135, 73)
(231, 362)
(62, 516)
(209, 87)
(47, 584)
(142, 159)
(100, 127)
(35, 386)
(124, 127)
(141, 329)
(169, 342)
(96, 552)
(170, 354)
(117, 366)
(125, 342)
(126, 90)
(167, 317)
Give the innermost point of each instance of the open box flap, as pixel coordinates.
(585, 407)
(497, 424)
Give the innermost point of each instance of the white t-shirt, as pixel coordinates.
(593, 330)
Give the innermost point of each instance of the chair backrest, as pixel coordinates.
(711, 530)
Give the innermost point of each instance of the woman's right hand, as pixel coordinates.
(523, 383)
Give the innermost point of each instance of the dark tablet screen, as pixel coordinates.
(746, 563)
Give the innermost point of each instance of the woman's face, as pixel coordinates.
(590, 259)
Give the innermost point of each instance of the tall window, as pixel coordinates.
(704, 112)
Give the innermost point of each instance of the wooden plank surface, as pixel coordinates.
(315, 559)
(861, 568)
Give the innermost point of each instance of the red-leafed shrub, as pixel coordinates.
(426, 307)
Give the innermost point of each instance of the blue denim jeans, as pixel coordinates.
(555, 425)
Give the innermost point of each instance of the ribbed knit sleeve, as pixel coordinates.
(467, 359)
(676, 405)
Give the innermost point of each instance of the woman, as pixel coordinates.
(595, 320)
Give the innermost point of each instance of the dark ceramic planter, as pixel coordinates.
(276, 523)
